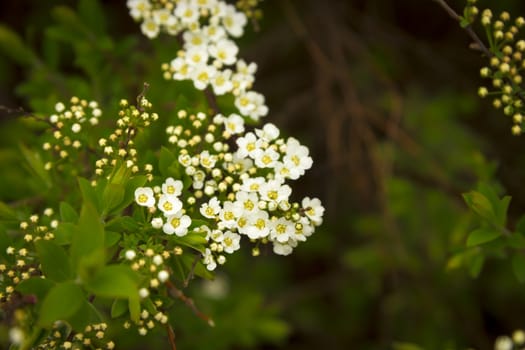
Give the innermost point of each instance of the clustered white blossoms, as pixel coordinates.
(208, 55)
(234, 181)
(240, 191)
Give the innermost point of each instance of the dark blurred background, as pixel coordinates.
(384, 95)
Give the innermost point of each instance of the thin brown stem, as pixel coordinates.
(171, 337)
(177, 293)
(212, 100)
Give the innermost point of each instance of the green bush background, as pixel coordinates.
(384, 94)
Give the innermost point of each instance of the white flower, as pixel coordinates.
(302, 230)
(182, 70)
(274, 191)
(60, 107)
(143, 292)
(252, 184)
(230, 242)
(233, 21)
(313, 209)
(268, 133)
(283, 248)
(157, 223)
(138, 8)
(211, 209)
(282, 230)
(188, 12)
(207, 160)
(172, 187)
(221, 82)
(214, 32)
(265, 159)
(197, 56)
(169, 204)
(144, 196)
(244, 76)
(163, 276)
(209, 260)
(296, 158)
(177, 224)
(247, 200)
(234, 124)
(202, 75)
(229, 214)
(164, 17)
(197, 39)
(225, 51)
(251, 104)
(258, 225)
(130, 254)
(150, 28)
(248, 145)
(503, 343)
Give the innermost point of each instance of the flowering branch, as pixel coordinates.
(478, 42)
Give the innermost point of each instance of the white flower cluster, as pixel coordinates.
(208, 56)
(176, 222)
(238, 192)
(67, 123)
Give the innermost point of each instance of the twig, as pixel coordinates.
(141, 96)
(480, 45)
(192, 270)
(171, 337)
(177, 293)
(212, 100)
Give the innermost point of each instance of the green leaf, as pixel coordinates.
(88, 241)
(112, 196)
(64, 233)
(475, 264)
(129, 196)
(89, 193)
(134, 308)
(86, 314)
(35, 286)
(482, 235)
(12, 46)
(195, 240)
(36, 165)
(111, 238)
(61, 302)
(54, 261)
(68, 213)
(123, 223)
(480, 205)
(119, 307)
(518, 266)
(114, 281)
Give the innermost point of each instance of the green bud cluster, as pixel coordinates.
(505, 65)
